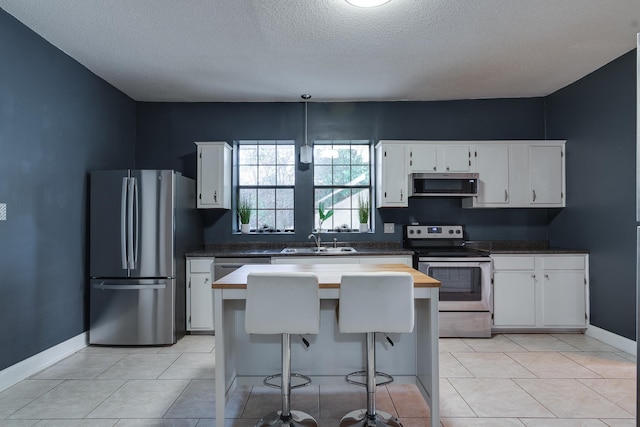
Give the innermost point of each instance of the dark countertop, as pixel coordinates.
(253, 250)
(534, 247)
(496, 247)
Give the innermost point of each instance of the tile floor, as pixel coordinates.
(509, 380)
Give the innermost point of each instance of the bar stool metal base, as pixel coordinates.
(297, 419)
(360, 418)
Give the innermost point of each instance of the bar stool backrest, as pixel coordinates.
(376, 302)
(282, 303)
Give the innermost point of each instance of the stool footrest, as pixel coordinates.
(388, 378)
(267, 380)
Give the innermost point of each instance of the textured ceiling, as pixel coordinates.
(276, 50)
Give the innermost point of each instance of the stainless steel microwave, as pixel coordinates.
(443, 184)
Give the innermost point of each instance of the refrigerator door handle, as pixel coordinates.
(136, 224)
(123, 224)
(105, 286)
(130, 189)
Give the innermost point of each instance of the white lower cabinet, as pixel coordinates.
(199, 294)
(540, 291)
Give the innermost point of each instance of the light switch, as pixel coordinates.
(3, 211)
(389, 227)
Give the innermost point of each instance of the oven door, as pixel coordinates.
(465, 284)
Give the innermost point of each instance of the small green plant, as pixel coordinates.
(244, 210)
(323, 215)
(363, 209)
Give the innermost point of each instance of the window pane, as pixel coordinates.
(322, 175)
(284, 198)
(266, 220)
(267, 175)
(267, 154)
(284, 220)
(248, 175)
(341, 175)
(286, 155)
(323, 154)
(360, 154)
(360, 175)
(266, 198)
(248, 154)
(286, 175)
(343, 156)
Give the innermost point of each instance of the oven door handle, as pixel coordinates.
(431, 264)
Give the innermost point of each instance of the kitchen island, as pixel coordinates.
(241, 358)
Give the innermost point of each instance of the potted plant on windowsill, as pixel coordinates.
(244, 214)
(363, 213)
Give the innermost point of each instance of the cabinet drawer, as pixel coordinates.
(514, 263)
(572, 262)
(200, 265)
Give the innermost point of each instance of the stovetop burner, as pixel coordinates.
(438, 241)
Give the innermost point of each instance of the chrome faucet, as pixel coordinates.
(335, 242)
(316, 238)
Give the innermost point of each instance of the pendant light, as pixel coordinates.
(306, 152)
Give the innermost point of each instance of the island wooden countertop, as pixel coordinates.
(329, 275)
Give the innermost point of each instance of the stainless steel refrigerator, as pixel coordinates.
(142, 222)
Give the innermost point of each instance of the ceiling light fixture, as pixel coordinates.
(367, 3)
(306, 152)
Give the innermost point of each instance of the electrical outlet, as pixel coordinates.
(389, 227)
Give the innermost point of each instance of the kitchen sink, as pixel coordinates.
(323, 250)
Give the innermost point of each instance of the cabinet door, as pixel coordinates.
(564, 298)
(407, 260)
(201, 299)
(493, 169)
(214, 176)
(316, 259)
(514, 298)
(546, 175)
(423, 158)
(393, 178)
(455, 158)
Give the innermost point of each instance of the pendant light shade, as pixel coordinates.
(306, 152)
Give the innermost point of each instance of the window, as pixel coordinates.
(341, 178)
(266, 179)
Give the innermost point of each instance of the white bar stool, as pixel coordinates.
(283, 303)
(370, 303)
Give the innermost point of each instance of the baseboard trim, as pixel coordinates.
(614, 340)
(24, 369)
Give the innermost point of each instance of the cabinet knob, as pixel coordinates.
(401, 195)
(506, 196)
(534, 195)
(215, 197)
(434, 168)
(206, 279)
(533, 276)
(447, 167)
(546, 276)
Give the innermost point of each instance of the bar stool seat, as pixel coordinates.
(370, 303)
(284, 304)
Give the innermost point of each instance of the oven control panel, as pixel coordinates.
(434, 232)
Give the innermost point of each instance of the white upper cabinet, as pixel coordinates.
(392, 179)
(439, 157)
(519, 174)
(214, 175)
(492, 166)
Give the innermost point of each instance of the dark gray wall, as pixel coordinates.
(166, 132)
(57, 121)
(597, 115)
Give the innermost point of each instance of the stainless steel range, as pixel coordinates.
(466, 303)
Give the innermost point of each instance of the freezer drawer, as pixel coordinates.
(132, 312)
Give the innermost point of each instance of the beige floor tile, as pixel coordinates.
(540, 342)
(156, 423)
(569, 398)
(200, 366)
(451, 403)
(140, 399)
(23, 393)
(139, 366)
(338, 400)
(18, 423)
(237, 401)
(497, 343)
(481, 422)
(70, 399)
(584, 343)
(608, 365)
(77, 423)
(621, 391)
(408, 401)
(450, 367)
(453, 345)
(492, 365)
(620, 423)
(491, 397)
(192, 344)
(414, 422)
(264, 400)
(196, 401)
(80, 366)
(546, 422)
(143, 349)
(552, 365)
